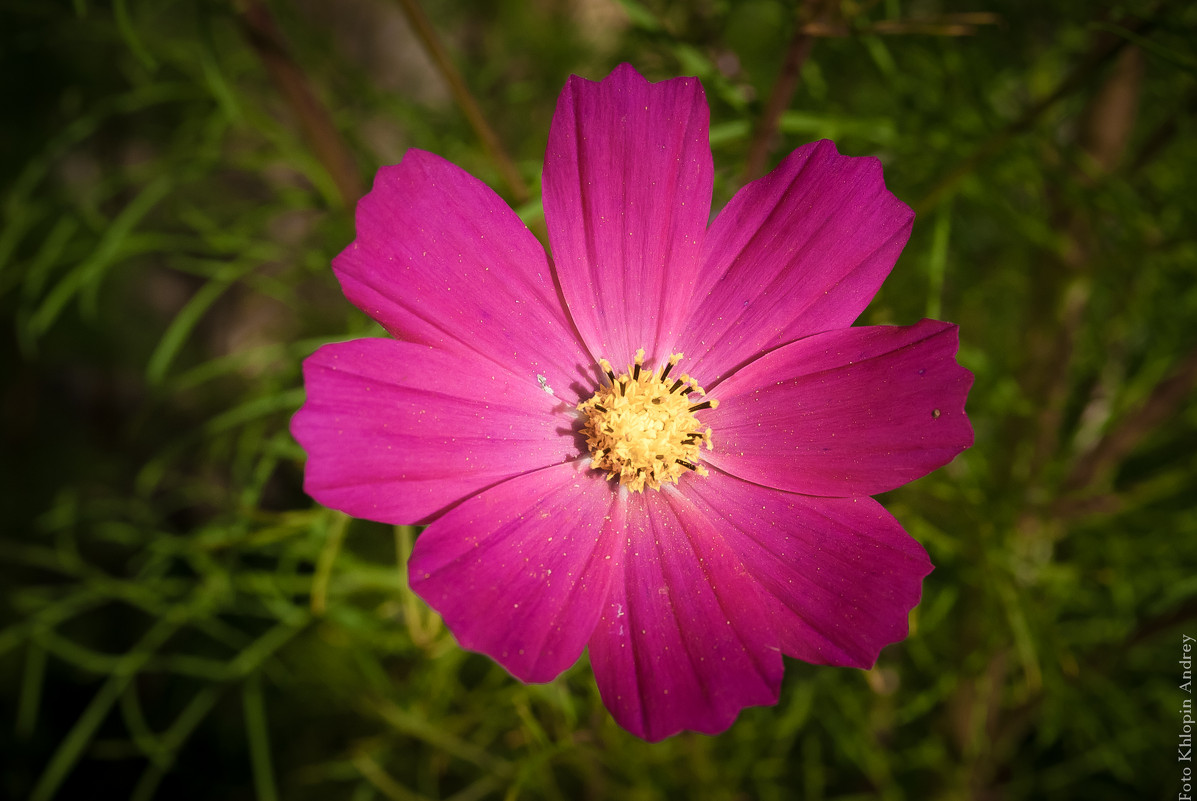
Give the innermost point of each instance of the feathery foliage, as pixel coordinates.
(179, 621)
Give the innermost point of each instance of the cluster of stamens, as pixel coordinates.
(641, 429)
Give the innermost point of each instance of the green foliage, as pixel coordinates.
(178, 619)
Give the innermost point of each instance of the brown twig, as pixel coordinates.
(267, 41)
(1163, 403)
(783, 90)
(1105, 48)
(461, 93)
(965, 24)
(1162, 136)
(1103, 134)
(1185, 613)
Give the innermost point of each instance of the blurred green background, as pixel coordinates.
(180, 622)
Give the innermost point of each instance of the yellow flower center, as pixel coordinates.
(642, 428)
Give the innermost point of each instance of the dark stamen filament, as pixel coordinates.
(640, 427)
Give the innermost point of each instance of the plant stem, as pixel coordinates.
(1162, 405)
(267, 41)
(1103, 50)
(783, 91)
(465, 100)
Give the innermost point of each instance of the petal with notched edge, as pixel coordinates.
(857, 411)
(627, 194)
(397, 432)
(519, 572)
(684, 641)
(802, 250)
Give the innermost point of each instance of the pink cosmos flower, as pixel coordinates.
(688, 535)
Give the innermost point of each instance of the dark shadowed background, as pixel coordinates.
(178, 621)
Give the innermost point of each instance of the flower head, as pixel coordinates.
(580, 488)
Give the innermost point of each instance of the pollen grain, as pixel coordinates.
(642, 428)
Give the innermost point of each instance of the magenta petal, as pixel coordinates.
(627, 194)
(396, 431)
(838, 575)
(856, 411)
(799, 251)
(519, 572)
(684, 641)
(440, 259)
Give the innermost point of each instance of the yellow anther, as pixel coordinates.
(642, 428)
